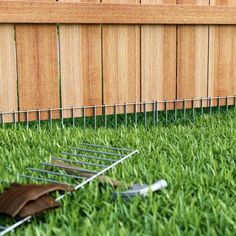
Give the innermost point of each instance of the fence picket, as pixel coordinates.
(222, 69)
(121, 63)
(80, 62)
(158, 60)
(192, 69)
(37, 65)
(8, 73)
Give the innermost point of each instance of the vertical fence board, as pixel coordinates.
(121, 62)
(80, 58)
(158, 60)
(115, 63)
(8, 72)
(222, 63)
(192, 65)
(37, 68)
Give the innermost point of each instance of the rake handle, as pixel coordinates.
(102, 178)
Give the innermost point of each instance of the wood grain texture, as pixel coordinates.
(222, 62)
(192, 69)
(37, 65)
(95, 13)
(80, 59)
(121, 63)
(158, 60)
(8, 72)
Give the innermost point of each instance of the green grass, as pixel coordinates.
(197, 160)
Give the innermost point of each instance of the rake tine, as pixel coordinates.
(54, 173)
(72, 168)
(88, 157)
(99, 152)
(79, 162)
(40, 179)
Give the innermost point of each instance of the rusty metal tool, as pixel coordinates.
(133, 189)
(98, 161)
(74, 170)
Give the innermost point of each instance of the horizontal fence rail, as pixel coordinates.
(145, 113)
(103, 13)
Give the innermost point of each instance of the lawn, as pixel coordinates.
(197, 160)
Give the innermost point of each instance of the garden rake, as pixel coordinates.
(132, 191)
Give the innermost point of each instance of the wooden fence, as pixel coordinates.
(72, 53)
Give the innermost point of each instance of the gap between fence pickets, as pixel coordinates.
(106, 13)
